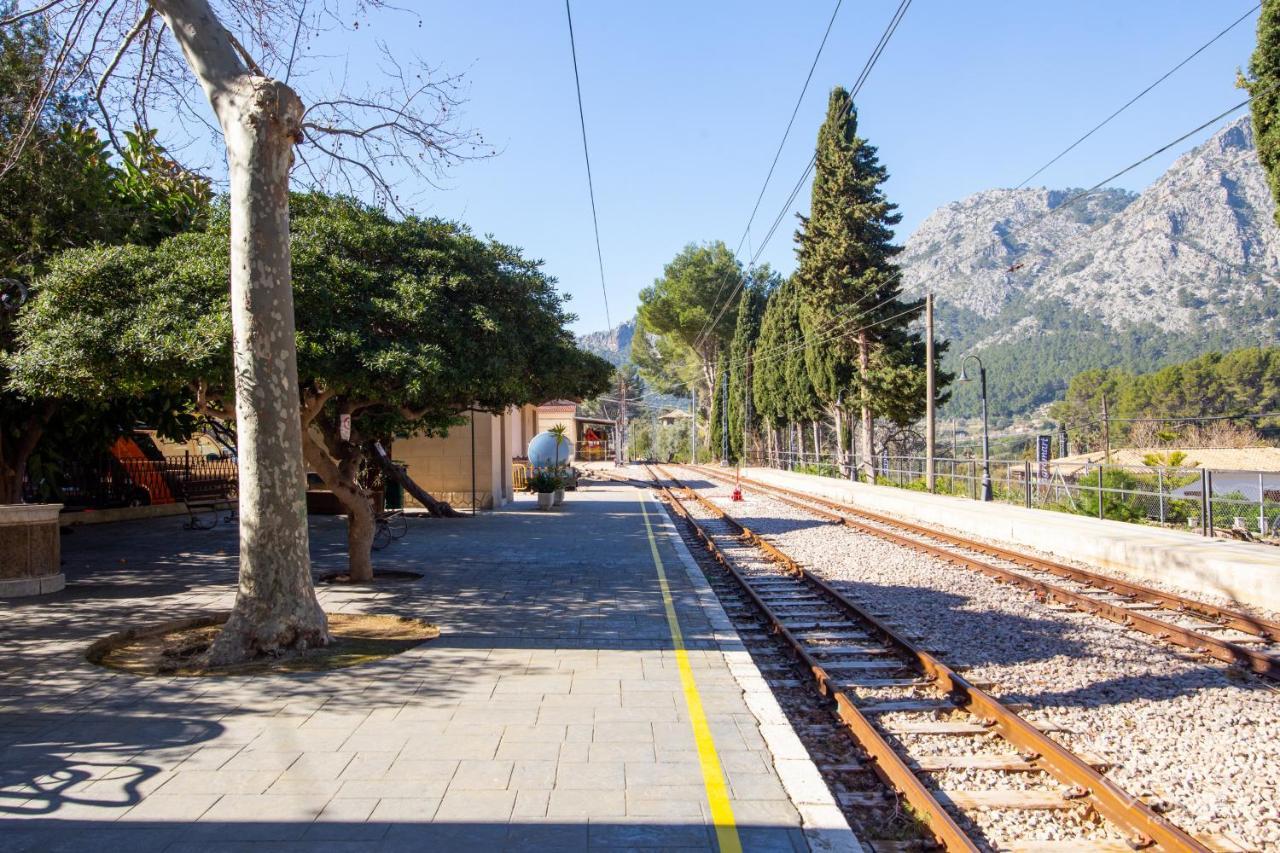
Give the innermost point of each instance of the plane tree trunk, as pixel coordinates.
(337, 463)
(276, 609)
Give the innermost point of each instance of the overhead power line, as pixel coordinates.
(586, 154)
(837, 322)
(1201, 49)
(715, 300)
(863, 75)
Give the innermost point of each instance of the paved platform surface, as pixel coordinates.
(550, 715)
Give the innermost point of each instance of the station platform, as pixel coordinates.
(587, 692)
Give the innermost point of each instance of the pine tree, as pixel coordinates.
(1263, 83)
(856, 325)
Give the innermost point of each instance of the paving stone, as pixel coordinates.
(550, 715)
(487, 806)
(579, 804)
(591, 775)
(481, 775)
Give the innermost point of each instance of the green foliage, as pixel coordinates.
(1263, 83)
(781, 389)
(1237, 382)
(680, 305)
(543, 482)
(718, 409)
(1117, 505)
(403, 323)
(751, 306)
(848, 283)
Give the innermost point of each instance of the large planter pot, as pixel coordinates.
(30, 551)
(545, 500)
(559, 497)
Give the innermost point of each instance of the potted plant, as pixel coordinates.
(544, 484)
(561, 479)
(561, 441)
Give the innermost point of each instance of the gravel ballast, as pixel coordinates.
(1199, 736)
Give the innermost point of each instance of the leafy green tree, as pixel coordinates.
(1263, 83)
(63, 191)
(1241, 382)
(857, 327)
(400, 324)
(682, 308)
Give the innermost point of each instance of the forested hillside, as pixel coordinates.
(1238, 390)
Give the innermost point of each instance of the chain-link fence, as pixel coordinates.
(1168, 496)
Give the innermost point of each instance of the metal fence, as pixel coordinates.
(1167, 496)
(112, 481)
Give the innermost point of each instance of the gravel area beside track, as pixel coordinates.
(1197, 735)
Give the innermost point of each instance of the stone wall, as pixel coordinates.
(30, 550)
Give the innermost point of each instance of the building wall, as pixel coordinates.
(551, 416)
(442, 464)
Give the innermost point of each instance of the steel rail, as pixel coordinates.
(1142, 824)
(1256, 661)
(1245, 622)
(886, 762)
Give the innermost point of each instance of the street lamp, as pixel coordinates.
(986, 445)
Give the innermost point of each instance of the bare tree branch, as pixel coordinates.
(388, 138)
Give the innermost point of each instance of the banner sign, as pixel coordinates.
(344, 427)
(1044, 450)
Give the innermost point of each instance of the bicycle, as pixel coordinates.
(389, 526)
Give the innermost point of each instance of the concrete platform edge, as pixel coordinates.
(825, 828)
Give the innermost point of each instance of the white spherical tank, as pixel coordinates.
(544, 454)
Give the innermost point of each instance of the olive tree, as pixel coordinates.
(400, 325)
(139, 56)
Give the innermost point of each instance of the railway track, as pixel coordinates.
(1227, 635)
(927, 731)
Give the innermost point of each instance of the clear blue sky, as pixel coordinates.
(686, 102)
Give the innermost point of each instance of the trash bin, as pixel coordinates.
(393, 490)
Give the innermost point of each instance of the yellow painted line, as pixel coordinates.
(712, 773)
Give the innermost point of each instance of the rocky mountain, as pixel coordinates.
(611, 344)
(1044, 283)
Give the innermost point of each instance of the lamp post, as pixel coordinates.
(986, 445)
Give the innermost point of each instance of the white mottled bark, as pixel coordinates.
(276, 607)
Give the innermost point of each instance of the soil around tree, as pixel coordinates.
(179, 648)
(379, 576)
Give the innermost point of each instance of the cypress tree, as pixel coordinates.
(1263, 83)
(751, 304)
(856, 324)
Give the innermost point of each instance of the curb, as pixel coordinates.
(824, 825)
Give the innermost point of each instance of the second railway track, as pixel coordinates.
(949, 748)
(1222, 633)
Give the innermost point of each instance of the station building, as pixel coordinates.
(481, 462)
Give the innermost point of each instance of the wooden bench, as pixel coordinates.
(207, 497)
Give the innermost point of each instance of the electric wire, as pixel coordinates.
(776, 155)
(586, 154)
(1139, 96)
(856, 89)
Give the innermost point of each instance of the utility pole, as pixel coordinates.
(930, 392)
(653, 445)
(1106, 432)
(693, 426)
(724, 416)
(619, 452)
